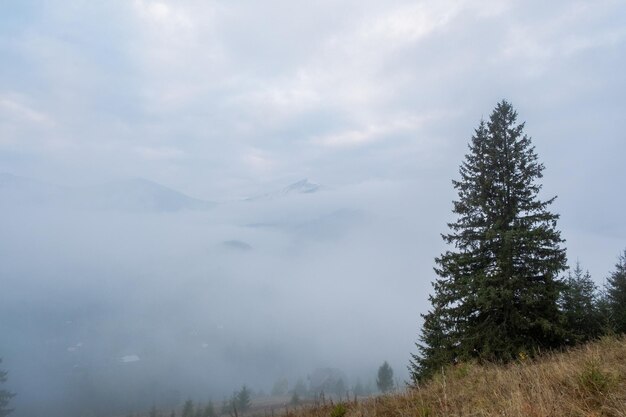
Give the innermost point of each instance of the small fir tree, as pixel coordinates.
(385, 378)
(209, 410)
(435, 347)
(300, 388)
(339, 387)
(497, 289)
(188, 409)
(579, 303)
(616, 295)
(227, 406)
(242, 399)
(281, 386)
(5, 396)
(604, 312)
(358, 388)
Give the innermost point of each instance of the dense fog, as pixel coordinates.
(120, 296)
(124, 308)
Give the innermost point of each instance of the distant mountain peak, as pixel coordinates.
(135, 195)
(303, 186)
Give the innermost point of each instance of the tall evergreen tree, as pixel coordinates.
(300, 388)
(5, 396)
(616, 295)
(358, 388)
(497, 290)
(242, 399)
(227, 406)
(209, 410)
(604, 312)
(385, 378)
(579, 303)
(188, 409)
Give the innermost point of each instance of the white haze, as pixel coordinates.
(141, 304)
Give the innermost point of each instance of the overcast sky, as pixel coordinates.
(221, 99)
(217, 97)
(226, 99)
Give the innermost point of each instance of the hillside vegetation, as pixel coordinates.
(589, 380)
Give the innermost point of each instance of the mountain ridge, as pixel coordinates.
(134, 195)
(303, 186)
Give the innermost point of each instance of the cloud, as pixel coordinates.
(372, 133)
(24, 126)
(159, 153)
(163, 14)
(411, 23)
(208, 81)
(15, 110)
(565, 34)
(258, 161)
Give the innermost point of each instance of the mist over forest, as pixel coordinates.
(115, 307)
(137, 306)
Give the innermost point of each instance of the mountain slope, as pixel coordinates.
(303, 186)
(586, 381)
(137, 195)
(126, 195)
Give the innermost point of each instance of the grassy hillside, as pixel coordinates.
(586, 381)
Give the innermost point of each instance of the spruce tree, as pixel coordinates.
(358, 388)
(385, 378)
(300, 388)
(242, 399)
(579, 303)
(435, 347)
(604, 312)
(188, 409)
(227, 406)
(616, 295)
(209, 410)
(5, 396)
(497, 288)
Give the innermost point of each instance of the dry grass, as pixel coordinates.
(586, 381)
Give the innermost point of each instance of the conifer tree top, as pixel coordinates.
(497, 288)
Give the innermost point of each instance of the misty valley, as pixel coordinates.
(128, 295)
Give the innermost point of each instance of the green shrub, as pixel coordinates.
(425, 412)
(594, 379)
(461, 370)
(339, 410)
